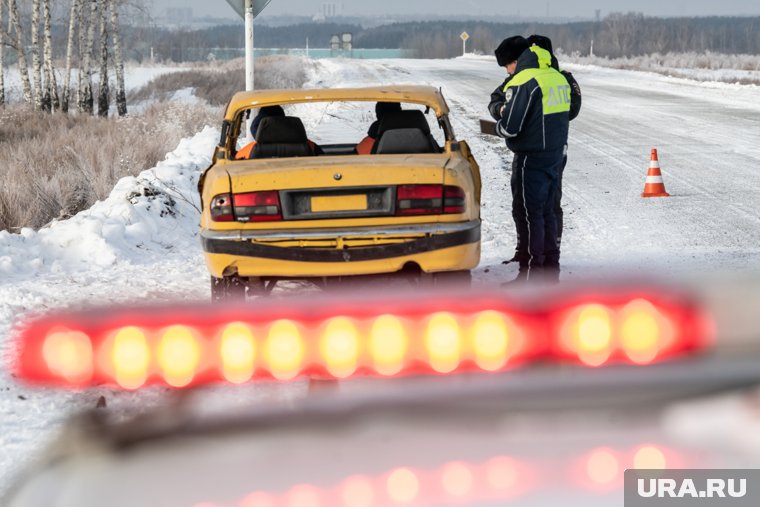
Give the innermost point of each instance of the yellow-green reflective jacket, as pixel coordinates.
(536, 115)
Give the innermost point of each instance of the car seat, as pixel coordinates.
(404, 132)
(282, 137)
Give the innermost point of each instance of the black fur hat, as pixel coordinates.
(510, 50)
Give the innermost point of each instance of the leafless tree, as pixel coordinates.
(103, 92)
(2, 53)
(52, 99)
(86, 100)
(36, 61)
(74, 16)
(121, 94)
(21, 52)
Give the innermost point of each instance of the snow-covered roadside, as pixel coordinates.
(138, 245)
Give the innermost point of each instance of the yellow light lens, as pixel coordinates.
(649, 458)
(443, 340)
(641, 334)
(69, 355)
(284, 350)
(491, 338)
(358, 492)
(502, 473)
(131, 357)
(340, 347)
(592, 334)
(388, 344)
(259, 500)
(238, 353)
(304, 496)
(178, 356)
(403, 486)
(602, 467)
(457, 480)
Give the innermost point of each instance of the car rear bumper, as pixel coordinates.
(343, 252)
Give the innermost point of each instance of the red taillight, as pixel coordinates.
(257, 207)
(429, 200)
(340, 339)
(453, 200)
(221, 208)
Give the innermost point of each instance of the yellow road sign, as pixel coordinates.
(465, 36)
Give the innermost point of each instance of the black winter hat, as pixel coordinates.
(510, 50)
(383, 108)
(542, 42)
(265, 112)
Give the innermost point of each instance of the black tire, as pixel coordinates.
(230, 289)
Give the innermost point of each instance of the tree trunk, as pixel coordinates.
(104, 102)
(86, 100)
(22, 65)
(121, 95)
(74, 16)
(36, 62)
(2, 53)
(51, 89)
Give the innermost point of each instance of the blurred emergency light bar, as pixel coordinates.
(286, 339)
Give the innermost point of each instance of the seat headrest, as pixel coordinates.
(282, 130)
(405, 141)
(403, 120)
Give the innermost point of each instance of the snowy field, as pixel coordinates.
(141, 243)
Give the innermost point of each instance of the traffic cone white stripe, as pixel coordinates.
(655, 179)
(654, 164)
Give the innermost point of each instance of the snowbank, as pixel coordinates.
(156, 212)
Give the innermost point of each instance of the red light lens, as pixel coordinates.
(454, 200)
(429, 200)
(419, 200)
(258, 207)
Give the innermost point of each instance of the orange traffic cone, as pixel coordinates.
(655, 186)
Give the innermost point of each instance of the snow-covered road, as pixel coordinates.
(707, 137)
(137, 247)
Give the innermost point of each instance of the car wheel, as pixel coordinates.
(228, 289)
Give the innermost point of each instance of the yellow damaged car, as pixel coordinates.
(317, 198)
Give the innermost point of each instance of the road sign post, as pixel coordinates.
(465, 37)
(250, 63)
(248, 10)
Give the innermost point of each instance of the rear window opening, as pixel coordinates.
(338, 129)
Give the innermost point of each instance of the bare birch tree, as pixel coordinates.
(86, 99)
(121, 94)
(2, 53)
(74, 17)
(52, 99)
(36, 61)
(104, 102)
(20, 51)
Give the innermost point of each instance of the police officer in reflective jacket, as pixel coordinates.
(535, 120)
(497, 101)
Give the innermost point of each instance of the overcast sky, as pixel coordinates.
(485, 8)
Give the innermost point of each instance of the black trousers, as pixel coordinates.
(535, 196)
